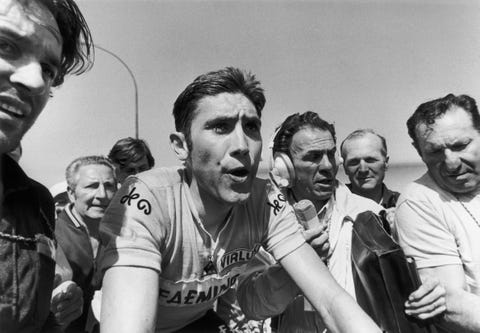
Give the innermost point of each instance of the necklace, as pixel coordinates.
(468, 211)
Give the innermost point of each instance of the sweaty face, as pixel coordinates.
(131, 168)
(30, 55)
(450, 148)
(313, 153)
(95, 188)
(226, 148)
(364, 162)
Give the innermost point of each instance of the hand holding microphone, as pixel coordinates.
(315, 232)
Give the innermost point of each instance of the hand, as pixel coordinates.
(427, 301)
(67, 302)
(317, 237)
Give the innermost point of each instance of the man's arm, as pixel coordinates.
(463, 307)
(338, 310)
(129, 300)
(265, 290)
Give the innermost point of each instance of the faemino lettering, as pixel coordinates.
(193, 296)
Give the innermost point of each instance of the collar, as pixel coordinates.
(72, 217)
(13, 177)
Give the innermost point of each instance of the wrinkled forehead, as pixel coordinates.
(28, 13)
(312, 139)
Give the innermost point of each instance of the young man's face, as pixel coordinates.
(226, 147)
(131, 168)
(313, 156)
(30, 55)
(95, 188)
(450, 148)
(364, 162)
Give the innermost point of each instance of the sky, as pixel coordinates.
(357, 63)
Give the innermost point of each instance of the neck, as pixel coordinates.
(212, 212)
(375, 194)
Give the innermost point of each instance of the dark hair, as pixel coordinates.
(128, 150)
(77, 47)
(428, 112)
(293, 124)
(74, 166)
(227, 80)
(361, 133)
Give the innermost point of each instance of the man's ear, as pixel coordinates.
(387, 158)
(179, 145)
(71, 194)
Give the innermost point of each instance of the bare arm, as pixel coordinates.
(129, 300)
(463, 307)
(338, 310)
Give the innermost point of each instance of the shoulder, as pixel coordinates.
(353, 204)
(424, 189)
(162, 177)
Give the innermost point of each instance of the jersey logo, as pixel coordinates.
(277, 203)
(142, 204)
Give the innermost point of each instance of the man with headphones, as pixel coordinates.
(305, 164)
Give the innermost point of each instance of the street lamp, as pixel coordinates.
(133, 79)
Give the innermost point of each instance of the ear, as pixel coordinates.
(386, 162)
(179, 145)
(71, 194)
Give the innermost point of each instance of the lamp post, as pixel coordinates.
(133, 79)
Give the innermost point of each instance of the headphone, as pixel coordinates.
(282, 171)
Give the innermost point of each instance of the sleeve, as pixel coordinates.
(283, 230)
(422, 232)
(265, 289)
(134, 228)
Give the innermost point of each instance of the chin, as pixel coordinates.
(236, 197)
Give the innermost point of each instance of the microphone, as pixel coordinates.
(306, 213)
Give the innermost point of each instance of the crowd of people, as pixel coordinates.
(207, 246)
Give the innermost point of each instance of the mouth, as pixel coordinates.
(13, 107)
(239, 174)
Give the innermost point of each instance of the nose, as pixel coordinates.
(452, 161)
(29, 76)
(239, 141)
(325, 163)
(101, 192)
(362, 167)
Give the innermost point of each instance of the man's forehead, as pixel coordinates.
(312, 139)
(30, 11)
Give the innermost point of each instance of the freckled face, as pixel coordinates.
(226, 147)
(30, 55)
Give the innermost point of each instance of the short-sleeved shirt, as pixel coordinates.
(436, 229)
(152, 222)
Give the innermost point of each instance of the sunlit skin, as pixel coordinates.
(365, 165)
(450, 148)
(95, 187)
(131, 168)
(313, 153)
(226, 148)
(30, 56)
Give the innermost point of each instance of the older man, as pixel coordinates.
(91, 186)
(41, 41)
(307, 144)
(184, 234)
(365, 161)
(438, 215)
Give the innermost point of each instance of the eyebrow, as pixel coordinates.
(22, 40)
